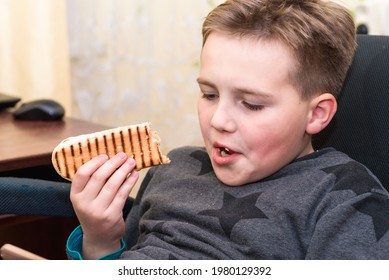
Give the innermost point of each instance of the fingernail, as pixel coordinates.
(134, 174)
(103, 156)
(122, 155)
(131, 161)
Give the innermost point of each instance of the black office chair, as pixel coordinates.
(360, 127)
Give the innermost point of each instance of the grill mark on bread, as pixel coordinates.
(74, 162)
(148, 145)
(65, 162)
(81, 152)
(72, 150)
(131, 140)
(89, 148)
(140, 146)
(97, 145)
(114, 143)
(105, 144)
(122, 141)
(57, 162)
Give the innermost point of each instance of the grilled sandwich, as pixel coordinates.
(138, 141)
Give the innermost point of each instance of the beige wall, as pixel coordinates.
(136, 61)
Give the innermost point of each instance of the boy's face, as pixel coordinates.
(252, 119)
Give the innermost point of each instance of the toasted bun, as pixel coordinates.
(137, 141)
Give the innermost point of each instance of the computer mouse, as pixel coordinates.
(40, 110)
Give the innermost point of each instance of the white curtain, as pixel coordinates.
(34, 60)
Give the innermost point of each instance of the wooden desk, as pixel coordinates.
(25, 144)
(25, 151)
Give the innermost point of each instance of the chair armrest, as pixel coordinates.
(25, 196)
(11, 252)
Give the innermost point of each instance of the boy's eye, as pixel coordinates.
(209, 96)
(253, 107)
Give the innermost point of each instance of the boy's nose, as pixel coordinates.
(223, 118)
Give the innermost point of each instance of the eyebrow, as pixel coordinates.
(204, 82)
(238, 90)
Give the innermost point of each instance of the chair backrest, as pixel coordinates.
(360, 127)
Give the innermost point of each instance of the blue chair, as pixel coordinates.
(36, 197)
(26, 196)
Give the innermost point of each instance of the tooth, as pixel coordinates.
(224, 152)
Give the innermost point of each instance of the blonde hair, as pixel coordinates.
(320, 34)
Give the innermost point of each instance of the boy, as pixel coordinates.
(270, 72)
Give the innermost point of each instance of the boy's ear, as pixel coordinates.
(323, 108)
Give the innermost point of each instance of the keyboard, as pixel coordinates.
(8, 101)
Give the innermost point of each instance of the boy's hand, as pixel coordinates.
(99, 191)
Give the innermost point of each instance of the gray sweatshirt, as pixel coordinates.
(321, 206)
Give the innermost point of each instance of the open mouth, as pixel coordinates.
(224, 156)
(225, 152)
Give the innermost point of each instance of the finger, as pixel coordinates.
(84, 173)
(123, 193)
(101, 176)
(115, 182)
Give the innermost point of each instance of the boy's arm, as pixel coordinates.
(356, 229)
(74, 247)
(98, 194)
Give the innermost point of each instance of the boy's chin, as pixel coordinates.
(228, 178)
